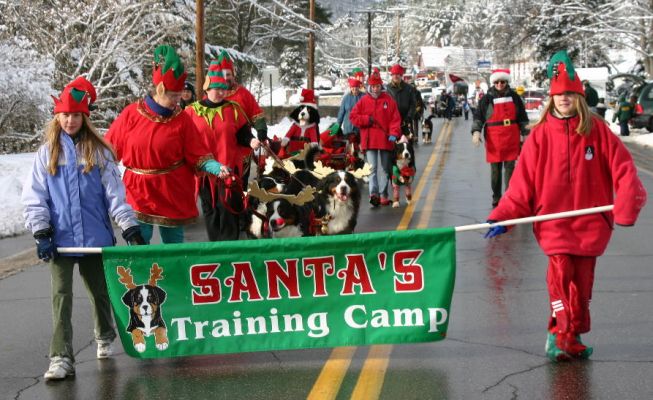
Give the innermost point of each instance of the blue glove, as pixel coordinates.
(392, 138)
(132, 236)
(45, 247)
(212, 167)
(495, 231)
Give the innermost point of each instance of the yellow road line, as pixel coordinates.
(372, 375)
(328, 383)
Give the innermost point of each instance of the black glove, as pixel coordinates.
(132, 236)
(262, 135)
(45, 247)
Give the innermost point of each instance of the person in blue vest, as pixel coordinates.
(73, 189)
(502, 118)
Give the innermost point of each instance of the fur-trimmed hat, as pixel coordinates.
(77, 96)
(375, 78)
(214, 77)
(563, 76)
(501, 74)
(307, 98)
(168, 69)
(397, 69)
(353, 82)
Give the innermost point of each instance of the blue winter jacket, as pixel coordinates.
(76, 204)
(348, 102)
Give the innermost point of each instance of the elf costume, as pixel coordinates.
(161, 150)
(561, 169)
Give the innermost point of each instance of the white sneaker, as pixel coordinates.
(60, 368)
(104, 348)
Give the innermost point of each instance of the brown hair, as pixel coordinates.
(90, 143)
(582, 109)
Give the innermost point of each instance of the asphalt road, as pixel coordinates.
(495, 343)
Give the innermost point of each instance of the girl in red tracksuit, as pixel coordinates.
(571, 160)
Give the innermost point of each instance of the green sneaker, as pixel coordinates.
(585, 354)
(552, 350)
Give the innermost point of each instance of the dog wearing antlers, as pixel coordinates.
(144, 303)
(327, 203)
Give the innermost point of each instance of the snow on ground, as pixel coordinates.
(14, 169)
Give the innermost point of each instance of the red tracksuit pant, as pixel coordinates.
(570, 280)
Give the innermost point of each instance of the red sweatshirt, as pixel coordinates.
(560, 170)
(384, 122)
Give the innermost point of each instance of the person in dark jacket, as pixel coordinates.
(404, 96)
(591, 96)
(625, 112)
(502, 118)
(419, 110)
(187, 95)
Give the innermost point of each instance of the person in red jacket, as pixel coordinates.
(378, 118)
(571, 160)
(224, 127)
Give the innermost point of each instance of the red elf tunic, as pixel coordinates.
(161, 155)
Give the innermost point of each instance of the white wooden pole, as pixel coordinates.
(463, 228)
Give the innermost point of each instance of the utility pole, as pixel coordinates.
(398, 51)
(369, 43)
(199, 48)
(311, 46)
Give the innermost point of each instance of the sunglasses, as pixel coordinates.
(501, 82)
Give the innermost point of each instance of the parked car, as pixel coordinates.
(534, 100)
(644, 108)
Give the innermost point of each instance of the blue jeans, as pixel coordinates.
(169, 234)
(625, 130)
(380, 160)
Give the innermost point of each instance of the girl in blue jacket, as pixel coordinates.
(73, 187)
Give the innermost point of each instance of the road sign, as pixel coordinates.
(270, 75)
(484, 64)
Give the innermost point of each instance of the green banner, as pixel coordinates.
(282, 294)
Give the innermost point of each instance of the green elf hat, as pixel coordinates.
(168, 69)
(214, 77)
(77, 96)
(563, 76)
(357, 72)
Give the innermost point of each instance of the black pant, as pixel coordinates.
(496, 178)
(221, 224)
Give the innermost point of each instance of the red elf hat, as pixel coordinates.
(168, 69)
(563, 76)
(77, 96)
(308, 98)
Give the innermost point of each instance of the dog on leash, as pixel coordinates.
(427, 129)
(403, 171)
(338, 201)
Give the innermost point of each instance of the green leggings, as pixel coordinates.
(92, 273)
(168, 234)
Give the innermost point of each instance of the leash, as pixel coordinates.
(226, 195)
(278, 160)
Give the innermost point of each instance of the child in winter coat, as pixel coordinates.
(625, 112)
(73, 187)
(571, 160)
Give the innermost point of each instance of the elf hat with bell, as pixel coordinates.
(358, 72)
(501, 74)
(168, 69)
(77, 96)
(307, 98)
(214, 77)
(563, 76)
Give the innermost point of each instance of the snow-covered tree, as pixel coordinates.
(292, 67)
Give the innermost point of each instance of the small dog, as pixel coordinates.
(403, 171)
(144, 302)
(338, 202)
(304, 129)
(427, 129)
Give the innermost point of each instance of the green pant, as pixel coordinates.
(496, 178)
(92, 273)
(169, 234)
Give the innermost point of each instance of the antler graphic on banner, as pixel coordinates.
(306, 195)
(155, 274)
(126, 277)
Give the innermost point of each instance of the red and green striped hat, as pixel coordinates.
(225, 61)
(214, 77)
(168, 69)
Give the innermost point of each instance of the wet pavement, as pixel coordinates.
(495, 344)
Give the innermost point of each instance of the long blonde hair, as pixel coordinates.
(90, 142)
(582, 109)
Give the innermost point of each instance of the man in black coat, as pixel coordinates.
(404, 96)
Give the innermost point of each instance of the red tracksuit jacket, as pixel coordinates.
(385, 122)
(559, 170)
